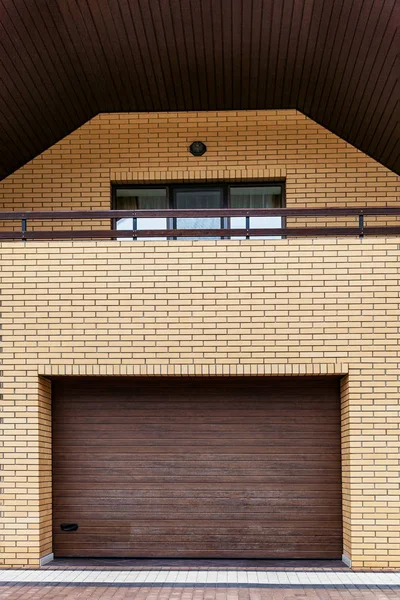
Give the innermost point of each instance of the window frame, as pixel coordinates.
(171, 188)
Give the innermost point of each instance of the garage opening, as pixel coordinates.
(218, 467)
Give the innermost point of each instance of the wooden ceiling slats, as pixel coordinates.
(133, 65)
(388, 146)
(203, 94)
(326, 87)
(121, 44)
(376, 136)
(311, 51)
(385, 84)
(323, 44)
(351, 102)
(154, 74)
(22, 100)
(227, 53)
(213, 22)
(179, 39)
(346, 45)
(375, 63)
(159, 61)
(238, 23)
(15, 117)
(186, 51)
(14, 145)
(323, 79)
(246, 37)
(282, 54)
(134, 57)
(349, 75)
(264, 53)
(299, 69)
(273, 53)
(83, 38)
(42, 83)
(63, 73)
(64, 61)
(163, 20)
(255, 43)
(392, 150)
(186, 46)
(293, 42)
(378, 128)
(109, 40)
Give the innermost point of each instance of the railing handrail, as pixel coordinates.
(201, 212)
(223, 232)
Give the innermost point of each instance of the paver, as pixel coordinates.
(93, 592)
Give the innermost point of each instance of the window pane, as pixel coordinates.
(201, 198)
(198, 198)
(256, 197)
(142, 199)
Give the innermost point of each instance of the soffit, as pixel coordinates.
(64, 61)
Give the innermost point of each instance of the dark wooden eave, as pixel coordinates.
(64, 61)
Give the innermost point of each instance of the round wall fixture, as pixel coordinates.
(197, 148)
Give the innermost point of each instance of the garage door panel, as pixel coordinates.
(277, 415)
(194, 554)
(209, 541)
(279, 525)
(246, 467)
(211, 550)
(182, 496)
(201, 528)
(277, 461)
(222, 512)
(278, 480)
(200, 446)
(124, 443)
(206, 535)
(84, 488)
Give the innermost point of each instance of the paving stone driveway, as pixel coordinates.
(152, 579)
(93, 592)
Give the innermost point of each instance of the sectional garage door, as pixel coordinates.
(205, 467)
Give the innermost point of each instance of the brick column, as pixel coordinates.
(26, 475)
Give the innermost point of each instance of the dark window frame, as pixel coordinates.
(170, 188)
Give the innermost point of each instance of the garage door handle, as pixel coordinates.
(69, 527)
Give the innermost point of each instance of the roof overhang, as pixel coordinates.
(63, 62)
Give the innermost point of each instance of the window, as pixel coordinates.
(142, 198)
(195, 196)
(198, 198)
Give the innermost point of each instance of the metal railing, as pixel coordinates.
(357, 229)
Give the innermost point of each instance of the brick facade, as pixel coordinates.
(311, 306)
(319, 168)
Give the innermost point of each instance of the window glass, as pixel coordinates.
(200, 199)
(190, 197)
(141, 199)
(256, 197)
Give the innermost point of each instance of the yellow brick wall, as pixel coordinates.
(319, 168)
(311, 306)
(227, 307)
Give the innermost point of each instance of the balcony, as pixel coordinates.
(288, 222)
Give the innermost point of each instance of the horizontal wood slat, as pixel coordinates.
(211, 467)
(201, 233)
(201, 212)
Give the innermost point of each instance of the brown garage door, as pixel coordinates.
(205, 467)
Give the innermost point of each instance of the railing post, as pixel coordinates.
(23, 229)
(361, 225)
(247, 226)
